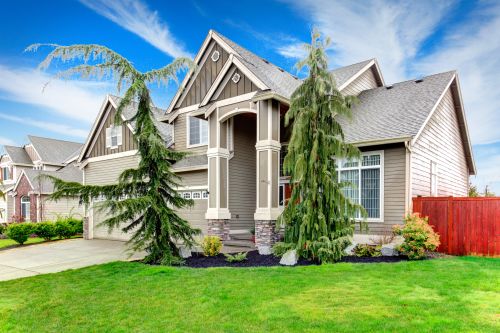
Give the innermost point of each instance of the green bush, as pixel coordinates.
(64, 229)
(45, 230)
(211, 246)
(418, 235)
(238, 257)
(76, 224)
(19, 232)
(365, 250)
(3, 228)
(280, 248)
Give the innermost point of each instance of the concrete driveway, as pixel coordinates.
(59, 256)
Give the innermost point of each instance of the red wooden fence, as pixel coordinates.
(467, 226)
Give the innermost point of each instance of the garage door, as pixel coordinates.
(102, 231)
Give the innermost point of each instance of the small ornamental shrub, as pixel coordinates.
(280, 248)
(238, 257)
(76, 224)
(211, 246)
(365, 250)
(3, 228)
(64, 229)
(45, 230)
(418, 235)
(19, 232)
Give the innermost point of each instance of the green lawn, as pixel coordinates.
(454, 295)
(10, 242)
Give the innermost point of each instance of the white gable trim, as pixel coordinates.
(19, 180)
(373, 63)
(107, 157)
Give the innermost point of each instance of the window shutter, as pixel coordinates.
(108, 137)
(119, 135)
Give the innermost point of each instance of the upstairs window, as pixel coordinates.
(6, 173)
(113, 137)
(197, 131)
(365, 177)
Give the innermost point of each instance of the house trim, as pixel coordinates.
(107, 157)
(372, 63)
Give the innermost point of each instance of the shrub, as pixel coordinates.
(45, 230)
(238, 257)
(63, 229)
(3, 228)
(76, 224)
(418, 235)
(365, 250)
(211, 246)
(280, 248)
(19, 232)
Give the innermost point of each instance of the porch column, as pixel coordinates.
(218, 214)
(268, 156)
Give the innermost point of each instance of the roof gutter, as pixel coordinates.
(381, 142)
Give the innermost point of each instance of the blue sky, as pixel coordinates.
(409, 39)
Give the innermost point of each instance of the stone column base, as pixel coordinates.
(265, 235)
(219, 228)
(86, 234)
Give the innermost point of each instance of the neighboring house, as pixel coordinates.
(26, 193)
(228, 114)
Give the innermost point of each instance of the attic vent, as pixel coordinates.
(419, 80)
(236, 78)
(388, 87)
(215, 56)
(264, 60)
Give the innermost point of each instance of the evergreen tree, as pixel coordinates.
(144, 200)
(318, 219)
(473, 192)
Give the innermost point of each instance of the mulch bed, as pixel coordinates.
(254, 259)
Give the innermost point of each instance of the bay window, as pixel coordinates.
(366, 179)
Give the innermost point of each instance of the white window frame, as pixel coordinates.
(188, 132)
(186, 195)
(9, 173)
(28, 210)
(197, 194)
(361, 167)
(204, 194)
(434, 179)
(114, 132)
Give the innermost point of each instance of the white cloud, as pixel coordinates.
(292, 51)
(78, 100)
(488, 160)
(54, 127)
(136, 17)
(392, 32)
(6, 142)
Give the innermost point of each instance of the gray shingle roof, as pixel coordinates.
(68, 173)
(165, 129)
(52, 150)
(191, 161)
(342, 74)
(277, 79)
(396, 112)
(17, 155)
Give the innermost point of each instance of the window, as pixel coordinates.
(204, 194)
(186, 195)
(284, 151)
(6, 173)
(366, 178)
(434, 179)
(196, 195)
(282, 195)
(25, 208)
(113, 137)
(198, 131)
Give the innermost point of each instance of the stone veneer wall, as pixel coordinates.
(265, 233)
(219, 228)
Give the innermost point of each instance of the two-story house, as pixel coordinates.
(26, 193)
(229, 113)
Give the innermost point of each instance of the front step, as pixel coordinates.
(240, 243)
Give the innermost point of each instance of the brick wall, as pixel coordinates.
(22, 190)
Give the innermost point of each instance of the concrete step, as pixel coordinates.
(240, 243)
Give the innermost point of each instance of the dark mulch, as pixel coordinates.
(254, 259)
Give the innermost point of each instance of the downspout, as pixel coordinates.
(408, 178)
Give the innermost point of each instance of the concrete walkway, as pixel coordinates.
(59, 256)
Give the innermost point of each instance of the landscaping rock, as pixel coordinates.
(265, 250)
(389, 250)
(290, 258)
(184, 252)
(350, 249)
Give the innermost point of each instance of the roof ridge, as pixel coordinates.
(43, 137)
(418, 78)
(356, 63)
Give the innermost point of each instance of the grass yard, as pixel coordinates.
(453, 295)
(9, 242)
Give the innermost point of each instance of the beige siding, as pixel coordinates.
(64, 207)
(3, 210)
(105, 173)
(180, 136)
(99, 146)
(206, 76)
(10, 207)
(195, 215)
(242, 173)
(364, 82)
(30, 150)
(394, 190)
(440, 142)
